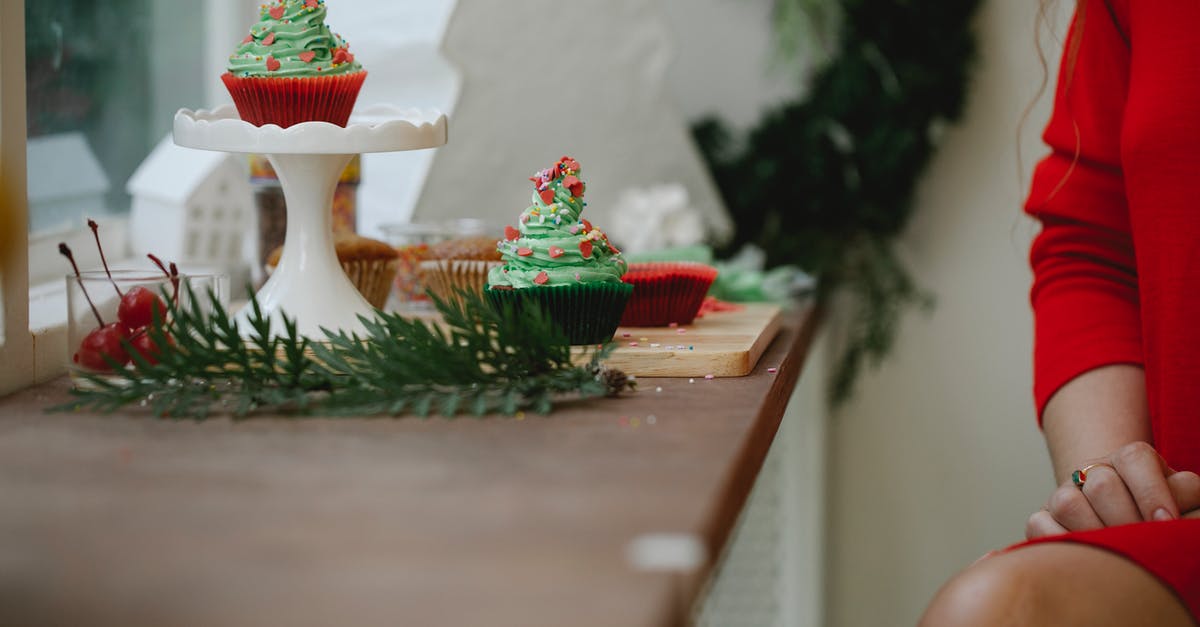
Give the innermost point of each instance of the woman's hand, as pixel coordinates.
(1131, 484)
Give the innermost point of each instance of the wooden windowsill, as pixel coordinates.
(119, 520)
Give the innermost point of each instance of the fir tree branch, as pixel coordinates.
(477, 359)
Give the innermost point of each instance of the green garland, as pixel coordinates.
(826, 182)
(478, 359)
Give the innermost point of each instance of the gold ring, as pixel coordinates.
(1079, 477)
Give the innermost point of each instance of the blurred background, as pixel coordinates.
(934, 458)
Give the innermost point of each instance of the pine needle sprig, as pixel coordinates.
(477, 359)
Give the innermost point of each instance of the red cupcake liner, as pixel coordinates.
(666, 292)
(292, 100)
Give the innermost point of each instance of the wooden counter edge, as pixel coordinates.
(798, 329)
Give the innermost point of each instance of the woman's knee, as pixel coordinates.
(1055, 583)
(994, 591)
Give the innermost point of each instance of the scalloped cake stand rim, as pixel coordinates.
(379, 128)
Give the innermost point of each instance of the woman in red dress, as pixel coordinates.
(1116, 299)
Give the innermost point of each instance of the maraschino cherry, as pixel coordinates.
(102, 347)
(142, 341)
(137, 306)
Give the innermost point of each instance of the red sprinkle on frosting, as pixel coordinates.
(573, 183)
(276, 11)
(269, 39)
(524, 252)
(585, 247)
(541, 278)
(510, 233)
(272, 64)
(307, 56)
(547, 196)
(556, 252)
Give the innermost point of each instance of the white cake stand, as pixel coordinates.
(309, 284)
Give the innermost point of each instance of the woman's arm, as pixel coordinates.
(1100, 418)
(1095, 414)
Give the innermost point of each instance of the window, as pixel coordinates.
(88, 89)
(103, 80)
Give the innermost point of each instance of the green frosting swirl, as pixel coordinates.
(553, 245)
(298, 40)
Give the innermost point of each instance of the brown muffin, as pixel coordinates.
(369, 263)
(459, 264)
(480, 248)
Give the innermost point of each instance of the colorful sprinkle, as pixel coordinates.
(547, 196)
(658, 389)
(680, 331)
(248, 39)
(772, 370)
(307, 56)
(312, 4)
(272, 64)
(673, 325)
(633, 343)
(556, 252)
(541, 278)
(269, 39)
(524, 252)
(276, 12)
(691, 380)
(510, 233)
(585, 247)
(708, 376)
(626, 335)
(651, 419)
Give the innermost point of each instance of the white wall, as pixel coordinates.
(938, 459)
(723, 61)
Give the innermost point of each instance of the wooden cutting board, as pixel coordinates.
(723, 344)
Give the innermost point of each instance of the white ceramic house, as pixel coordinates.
(194, 206)
(66, 182)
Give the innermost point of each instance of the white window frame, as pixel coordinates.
(34, 353)
(17, 351)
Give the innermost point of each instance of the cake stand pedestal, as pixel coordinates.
(309, 284)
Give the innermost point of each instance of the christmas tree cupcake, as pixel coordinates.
(291, 68)
(559, 261)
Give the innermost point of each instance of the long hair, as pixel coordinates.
(1070, 58)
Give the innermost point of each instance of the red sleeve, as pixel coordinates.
(1085, 294)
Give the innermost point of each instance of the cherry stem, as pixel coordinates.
(172, 274)
(96, 234)
(158, 262)
(65, 251)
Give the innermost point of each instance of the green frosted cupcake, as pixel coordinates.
(291, 68)
(559, 261)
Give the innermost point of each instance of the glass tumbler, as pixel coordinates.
(107, 318)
